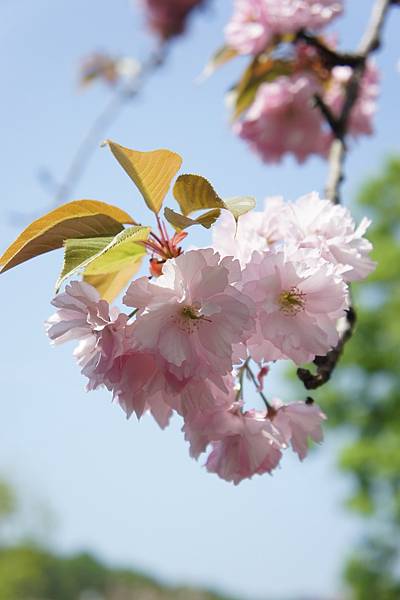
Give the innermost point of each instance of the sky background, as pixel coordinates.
(123, 489)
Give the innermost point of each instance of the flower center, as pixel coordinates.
(292, 301)
(189, 318)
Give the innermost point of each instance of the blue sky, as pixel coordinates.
(126, 490)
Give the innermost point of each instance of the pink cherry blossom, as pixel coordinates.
(283, 120)
(79, 303)
(297, 422)
(192, 315)
(318, 223)
(99, 328)
(168, 19)
(256, 230)
(298, 306)
(363, 112)
(138, 386)
(245, 445)
(289, 16)
(206, 421)
(255, 22)
(248, 31)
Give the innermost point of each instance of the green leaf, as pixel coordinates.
(152, 172)
(116, 265)
(78, 252)
(102, 256)
(239, 205)
(219, 58)
(261, 70)
(180, 222)
(109, 285)
(125, 247)
(78, 219)
(194, 192)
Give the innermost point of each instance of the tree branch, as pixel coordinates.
(331, 57)
(95, 135)
(371, 41)
(96, 132)
(326, 364)
(259, 390)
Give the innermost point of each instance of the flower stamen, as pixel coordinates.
(292, 301)
(189, 318)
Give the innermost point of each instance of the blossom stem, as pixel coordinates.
(250, 373)
(242, 369)
(132, 314)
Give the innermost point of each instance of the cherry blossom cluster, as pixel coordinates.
(167, 18)
(274, 289)
(284, 118)
(255, 24)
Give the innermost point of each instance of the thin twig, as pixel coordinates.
(328, 114)
(96, 133)
(259, 390)
(370, 42)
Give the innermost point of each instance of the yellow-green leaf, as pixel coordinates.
(194, 192)
(78, 252)
(78, 219)
(152, 172)
(262, 69)
(239, 205)
(177, 220)
(219, 58)
(110, 285)
(122, 250)
(116, 265)
(180, 222)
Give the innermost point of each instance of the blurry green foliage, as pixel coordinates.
(32, 573)
(364, 398)
(371, 573)
(8, 501)
(29, 571)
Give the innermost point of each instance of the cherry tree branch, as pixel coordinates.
(329, 55)
(103, 121)
(61, 192)
(370, 42)
(326, 364)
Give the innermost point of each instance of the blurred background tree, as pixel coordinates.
(31, 571)
(363, 399)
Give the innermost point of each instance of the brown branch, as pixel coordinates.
(328, 114)
(337, 156)
(326, 364)
(370, 42)
(331, 57)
